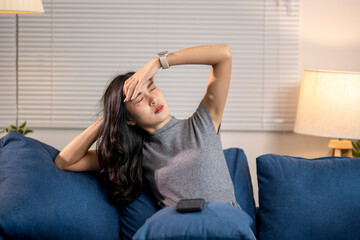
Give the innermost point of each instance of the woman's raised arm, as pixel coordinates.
(220, 59)
(76, 155)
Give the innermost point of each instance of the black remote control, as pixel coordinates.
(190, 205)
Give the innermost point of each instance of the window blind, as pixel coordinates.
(68, 55)
(7, 70)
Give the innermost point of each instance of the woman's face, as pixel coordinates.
(149, 109)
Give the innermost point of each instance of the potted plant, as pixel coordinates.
(355, 150)
(22, 129)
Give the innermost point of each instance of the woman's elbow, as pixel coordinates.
(60, 163)
(228, 53)
(226, 50)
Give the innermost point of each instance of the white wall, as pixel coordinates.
(329, 40)
(330, 35)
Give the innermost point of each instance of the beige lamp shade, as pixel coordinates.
(329, 105)
(21, 7)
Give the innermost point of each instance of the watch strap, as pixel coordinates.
(163, 59)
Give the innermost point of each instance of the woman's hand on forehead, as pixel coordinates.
(134, 83)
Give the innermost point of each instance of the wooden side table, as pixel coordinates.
(336, 145)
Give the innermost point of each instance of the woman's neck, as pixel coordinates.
(158, 126)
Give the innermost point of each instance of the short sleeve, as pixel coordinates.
(201, 118)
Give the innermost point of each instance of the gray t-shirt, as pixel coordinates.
(185, 159)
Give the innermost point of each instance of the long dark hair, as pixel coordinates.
(119, 147)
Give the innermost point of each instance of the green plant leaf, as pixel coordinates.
(21, 131)
(6, 129)
(356, 145)
(13, 127)
(356, 148)
(23, 125)
(28, 131)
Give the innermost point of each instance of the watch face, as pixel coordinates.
(162, 53)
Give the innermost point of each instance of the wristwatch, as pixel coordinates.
(163, 59)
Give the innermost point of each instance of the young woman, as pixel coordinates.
(137, 137)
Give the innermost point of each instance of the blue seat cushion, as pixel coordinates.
(308, 198)
(39, 201)
(135, 214)
(216, 221)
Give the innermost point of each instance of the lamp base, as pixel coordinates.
(336, 145)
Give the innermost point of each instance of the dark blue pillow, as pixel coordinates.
(308, 198)
(136, 213)
(216, 221)
(39, 201)
(240, 175)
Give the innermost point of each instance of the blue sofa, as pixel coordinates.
(298, 199)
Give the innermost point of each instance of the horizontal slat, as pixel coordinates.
(69, 54)
(7, 71)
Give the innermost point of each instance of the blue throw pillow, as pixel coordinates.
(136, 213)
(216, 221)
(240, 175)
(308, 198)
(39, 201)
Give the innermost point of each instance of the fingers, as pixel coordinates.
(131, 88)
(134, 83)
(136, 90)
(127, 88)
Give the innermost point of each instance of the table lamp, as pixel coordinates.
(329, 106)
(19, 7)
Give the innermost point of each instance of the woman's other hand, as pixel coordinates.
(133, 84)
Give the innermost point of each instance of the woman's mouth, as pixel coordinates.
(159, 109)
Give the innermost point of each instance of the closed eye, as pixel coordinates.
(153, 89)
(140, 100)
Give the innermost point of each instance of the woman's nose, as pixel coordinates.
(153, 101)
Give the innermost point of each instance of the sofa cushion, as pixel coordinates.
(240, 175)
(136, 213)
(308, 198)
(216, 221)
(39, 201)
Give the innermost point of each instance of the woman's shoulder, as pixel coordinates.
(201, 117)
